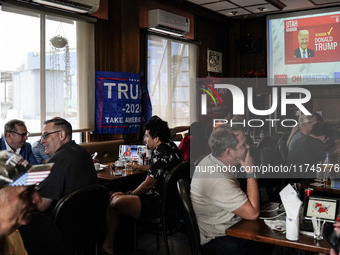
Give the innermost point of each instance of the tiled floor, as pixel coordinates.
(178, 244)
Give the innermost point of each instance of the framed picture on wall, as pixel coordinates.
(214, 61)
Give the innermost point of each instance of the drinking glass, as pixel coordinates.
(318, 228)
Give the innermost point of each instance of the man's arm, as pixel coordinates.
(134, 165)
(45, 204)
(250, 210)
(145, 186)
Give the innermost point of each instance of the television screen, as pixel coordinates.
(128, 151)
(304, 48)
(321, 207)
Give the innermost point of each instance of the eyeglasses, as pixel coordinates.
(22, 135)
(44, 136)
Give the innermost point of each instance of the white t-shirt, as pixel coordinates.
(214, 197)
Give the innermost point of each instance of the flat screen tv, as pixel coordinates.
(304, 48)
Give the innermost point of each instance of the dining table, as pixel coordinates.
(320, 187)
(112, 175)
(257, 230)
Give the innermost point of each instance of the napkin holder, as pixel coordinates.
(292, 229)
(292, 204)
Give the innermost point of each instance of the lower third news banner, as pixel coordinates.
(118, 103)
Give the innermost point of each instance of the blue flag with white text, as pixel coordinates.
(118, 103)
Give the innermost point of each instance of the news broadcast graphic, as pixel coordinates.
(122, 103)
(303, 48)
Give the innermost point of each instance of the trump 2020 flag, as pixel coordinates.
(118, 103)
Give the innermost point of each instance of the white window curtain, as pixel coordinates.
(171, 79)
(40, 79)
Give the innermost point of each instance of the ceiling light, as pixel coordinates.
(234, 13)
(261, 9)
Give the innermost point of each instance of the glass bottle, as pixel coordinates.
(326, 168)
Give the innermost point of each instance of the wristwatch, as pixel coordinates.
(251, 175)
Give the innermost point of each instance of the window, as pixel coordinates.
(171, 79)
(40, 72)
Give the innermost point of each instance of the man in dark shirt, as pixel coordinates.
(310, 148)
(145, 200)
(73, 167)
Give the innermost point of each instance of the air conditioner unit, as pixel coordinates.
(81, 6)
(167, 22)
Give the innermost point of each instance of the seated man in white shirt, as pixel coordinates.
(217, 198)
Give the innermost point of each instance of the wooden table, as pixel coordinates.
(107, 174)
(305, 183)
(257, 230)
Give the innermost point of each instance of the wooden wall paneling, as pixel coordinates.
(108, 40)
(234, 56)
(256, 28)
(329, 105)
(130, 37)
(214, 36)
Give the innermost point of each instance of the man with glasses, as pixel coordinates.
(73, 166)
(15, 140)
(18, 200)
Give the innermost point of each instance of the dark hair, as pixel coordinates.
(158, 128)
(10, 125)
(318, 117)
(223, 113)
(197, 130)
(62, 124)
(222, 138)
(320, 129)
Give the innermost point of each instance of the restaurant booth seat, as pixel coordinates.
(108, 151)
(170, 207)
(80, 218)
(193, 231)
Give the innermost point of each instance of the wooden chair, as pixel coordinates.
(197, 161)
(193, 232)
(41, 236)
(170, 215)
